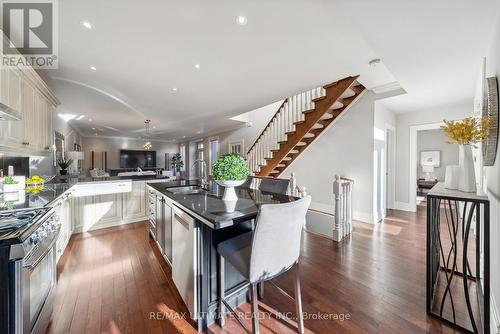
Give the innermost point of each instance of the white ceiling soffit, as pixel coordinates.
(143, 49)
(433, 48)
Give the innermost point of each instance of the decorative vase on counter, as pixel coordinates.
(467, 177)
(229, 196)
(451, 177)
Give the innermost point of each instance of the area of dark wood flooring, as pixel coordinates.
(115, 281)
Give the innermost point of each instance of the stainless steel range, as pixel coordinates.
(27, 251)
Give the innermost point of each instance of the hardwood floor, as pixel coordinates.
(110, 281)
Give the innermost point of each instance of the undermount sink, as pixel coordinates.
(186, 190)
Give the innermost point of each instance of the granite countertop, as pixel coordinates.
(53, 190)
(209, 207)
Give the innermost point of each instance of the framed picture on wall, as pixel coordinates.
(237, 147)
(430, 158)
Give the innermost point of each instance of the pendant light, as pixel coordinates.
(147, 145)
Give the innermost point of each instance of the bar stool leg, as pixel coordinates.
(221, 290)
(298, 300)
(255, 309)
(261, 290)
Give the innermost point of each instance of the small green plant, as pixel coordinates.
(64, 164)
(9, 180)
(177, 162)
(230, 167)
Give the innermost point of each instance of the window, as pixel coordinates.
(182, 150)
(214, 152)
(237, 147)
(200, 154)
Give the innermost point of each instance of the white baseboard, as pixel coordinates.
(356, 215)
(363, 217)
(403, 206)
(495, 316)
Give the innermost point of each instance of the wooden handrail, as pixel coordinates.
(268, 124)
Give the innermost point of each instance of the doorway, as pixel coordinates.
(389, 175)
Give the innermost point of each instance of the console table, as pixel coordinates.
(458, 259)
(423, 184)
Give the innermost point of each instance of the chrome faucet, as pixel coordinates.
(204, 178)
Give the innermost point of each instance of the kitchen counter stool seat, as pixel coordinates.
(269, 251)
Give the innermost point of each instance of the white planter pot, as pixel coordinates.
(451, 177)
(229, 192)
(467, 178)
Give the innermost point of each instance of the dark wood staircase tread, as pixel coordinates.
(319, 98)
(309, 111)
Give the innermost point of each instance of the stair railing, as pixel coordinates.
(290, 112)
(342, 190)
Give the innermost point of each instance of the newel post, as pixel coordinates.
(338, 232)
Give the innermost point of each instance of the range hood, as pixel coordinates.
(9, 114)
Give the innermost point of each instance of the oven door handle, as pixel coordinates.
(33, 264)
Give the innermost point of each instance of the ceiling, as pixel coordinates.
(142, 50)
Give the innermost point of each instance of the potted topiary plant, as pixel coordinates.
(229, 171)
(64, 165)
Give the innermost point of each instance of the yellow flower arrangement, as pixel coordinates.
(468, 131)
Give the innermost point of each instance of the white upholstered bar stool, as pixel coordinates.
(270, 250)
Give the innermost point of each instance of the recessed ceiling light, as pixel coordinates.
(93, 128)
(174, 89)
(183, 136)
(87, 24)
(90, 119)
(241, 20)
(198, 132)
(197, 66)
(93, 68)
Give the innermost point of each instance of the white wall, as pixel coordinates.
(493, 183)
(113, 146)
(403, 124)
(436, 140)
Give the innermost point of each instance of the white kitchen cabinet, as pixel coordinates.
(134, 202)
(22, 90)
(63, 213)
(100, 205)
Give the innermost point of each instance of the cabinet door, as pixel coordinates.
(13, 93)
(107, 208)
(134, 202)
(160, 223)
(167, 219)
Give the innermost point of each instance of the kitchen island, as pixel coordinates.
(188, 222)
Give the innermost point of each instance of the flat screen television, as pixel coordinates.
(134, 159)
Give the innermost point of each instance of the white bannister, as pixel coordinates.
(342, 190)
(290, 112)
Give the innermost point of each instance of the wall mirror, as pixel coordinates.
(490, 110)
(58, 147)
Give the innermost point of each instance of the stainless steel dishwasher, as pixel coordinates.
(184, 258)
